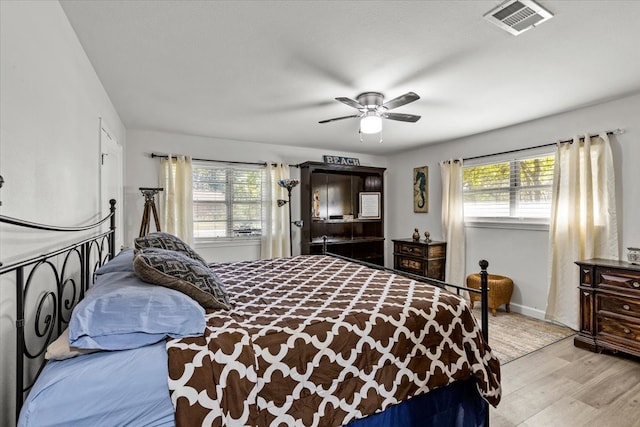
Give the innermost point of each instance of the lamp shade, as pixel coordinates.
(371, 124)
(288, 183)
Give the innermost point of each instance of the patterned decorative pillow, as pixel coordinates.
(177, 271)
(167, 241)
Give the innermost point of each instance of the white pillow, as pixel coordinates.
(60, 349)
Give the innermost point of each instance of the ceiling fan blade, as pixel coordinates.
(340, 118)
(350, 102)
(401, 100)
(401, 117)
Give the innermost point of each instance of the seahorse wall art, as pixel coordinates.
(421, 189)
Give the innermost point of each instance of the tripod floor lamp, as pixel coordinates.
(149, 210)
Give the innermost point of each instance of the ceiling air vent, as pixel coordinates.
(517, 16)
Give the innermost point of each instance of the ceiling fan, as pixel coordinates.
(373, 109)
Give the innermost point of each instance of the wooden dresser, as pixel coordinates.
(420, 257)
(609, 306)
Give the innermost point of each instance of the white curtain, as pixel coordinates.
(583, 220)
(176, 207)
(275, 231)
(453, 221)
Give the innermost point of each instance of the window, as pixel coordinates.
(227, 202)
(517, 189)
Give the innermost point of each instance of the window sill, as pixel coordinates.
(508, 224)
(220, 243)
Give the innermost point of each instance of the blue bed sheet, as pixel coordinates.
(118, 388)
(129, 388)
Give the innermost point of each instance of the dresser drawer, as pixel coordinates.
(618, 305)
(411, 265)
(623, 331)
(436, 251)
(409, 249)
(619, 279)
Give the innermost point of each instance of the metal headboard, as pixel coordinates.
(52, 305)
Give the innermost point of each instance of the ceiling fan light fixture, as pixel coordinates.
(371, 123)
(372, 109)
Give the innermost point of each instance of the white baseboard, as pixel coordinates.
(528, 311)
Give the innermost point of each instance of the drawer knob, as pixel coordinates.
(626, 307)
(627, 330)
(636, 284)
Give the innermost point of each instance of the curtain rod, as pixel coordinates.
(565, 141)
(164, 156)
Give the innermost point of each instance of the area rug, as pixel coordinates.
(513, 335)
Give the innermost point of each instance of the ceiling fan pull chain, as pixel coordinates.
(362, 140)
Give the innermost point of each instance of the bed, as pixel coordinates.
(306, 340)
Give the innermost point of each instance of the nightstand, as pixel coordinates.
(420, 257)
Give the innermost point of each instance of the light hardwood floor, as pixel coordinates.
(564, 386)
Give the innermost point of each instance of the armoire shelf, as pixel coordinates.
(342, 221)
(339, 191)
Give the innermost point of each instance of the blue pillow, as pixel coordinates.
(121, 262)
(128, 313)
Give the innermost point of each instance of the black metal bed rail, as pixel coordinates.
(434, 282)
(483, 291)
(38, 226)
(71, 270)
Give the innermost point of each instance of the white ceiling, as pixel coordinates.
(268, 71)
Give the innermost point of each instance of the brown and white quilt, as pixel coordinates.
(319, 341)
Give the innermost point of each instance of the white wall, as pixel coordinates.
(142, 171)
(49, 144)
(520, 254)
